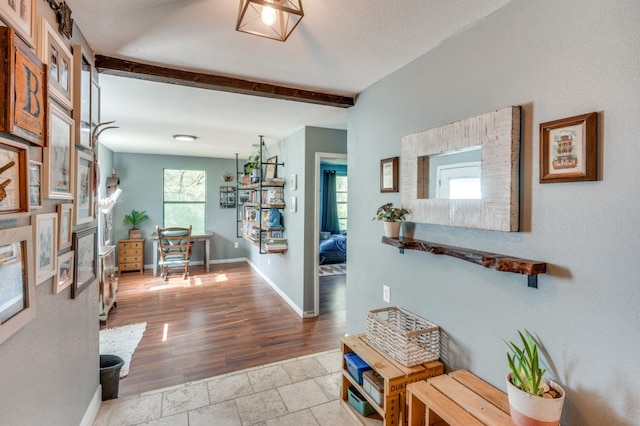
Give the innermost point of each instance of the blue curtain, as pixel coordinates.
(329, 204)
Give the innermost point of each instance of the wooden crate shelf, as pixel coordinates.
(396, 378)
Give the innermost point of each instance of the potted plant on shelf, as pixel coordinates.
(391, 216)
(533, 400)
(135, 218)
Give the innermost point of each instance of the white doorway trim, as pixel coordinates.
(316, 225)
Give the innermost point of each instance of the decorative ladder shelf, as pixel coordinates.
(498, 262)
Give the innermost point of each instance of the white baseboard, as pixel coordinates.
(275, 287)
(92, 410)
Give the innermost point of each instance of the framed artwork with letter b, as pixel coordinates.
(23, 90)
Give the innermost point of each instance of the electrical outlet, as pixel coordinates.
(269, 261)
(235, 244)
(386, 293)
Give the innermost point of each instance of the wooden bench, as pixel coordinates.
(457, 398)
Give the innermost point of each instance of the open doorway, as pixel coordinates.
(330, 236)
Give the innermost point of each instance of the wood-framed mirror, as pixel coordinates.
(490, 141)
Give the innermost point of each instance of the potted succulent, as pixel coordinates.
(533, 400)
(391, 216)
(135, 218)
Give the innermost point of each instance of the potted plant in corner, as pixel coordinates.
(391, 216)
(533, 400)
(134, 219)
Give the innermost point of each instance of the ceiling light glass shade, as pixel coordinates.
(185, 138)
(274, 19)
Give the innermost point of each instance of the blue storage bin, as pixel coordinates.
(361, 405)
(356, 366)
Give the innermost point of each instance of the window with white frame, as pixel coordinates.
(185, 199)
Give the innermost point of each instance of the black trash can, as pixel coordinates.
(110, 366)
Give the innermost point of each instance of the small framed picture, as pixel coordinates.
(65, 221)
(271, 169)
(18, 295)
(35, 184)
(14, 195)
(389, 175)
(82, 96)
(86, 261)
(45, 237)
(53, 51)
(58, 158)
(65, 272)
(20, 14)
(568, 149)
(84, 187)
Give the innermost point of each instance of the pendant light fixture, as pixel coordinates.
(274, 19)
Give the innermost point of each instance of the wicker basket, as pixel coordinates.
(409, 339)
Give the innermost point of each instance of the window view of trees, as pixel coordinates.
(185, 199)
(341, 197)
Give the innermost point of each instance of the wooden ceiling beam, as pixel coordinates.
(125, 68)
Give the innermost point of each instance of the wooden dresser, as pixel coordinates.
(131, 255)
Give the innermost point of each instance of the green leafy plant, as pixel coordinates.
(135, 218)
(388, 213)
(526, 373)
(253, 162)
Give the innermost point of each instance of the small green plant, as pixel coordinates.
(526, 373)
(135, 218)
(388, 213)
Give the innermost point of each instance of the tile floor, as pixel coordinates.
(296, 392)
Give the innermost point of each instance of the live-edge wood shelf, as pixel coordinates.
(498, 262)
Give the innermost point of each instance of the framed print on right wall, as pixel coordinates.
(568, 149)
(389, 175)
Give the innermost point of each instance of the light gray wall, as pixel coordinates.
(317, 140)
(141, 184)
(556, 59)
(285, 271)
(293, 272)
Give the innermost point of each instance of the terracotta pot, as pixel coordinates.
(135, 234)
(391, 229)
(531, 410)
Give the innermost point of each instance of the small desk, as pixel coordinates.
(457, 398)
(206, 237)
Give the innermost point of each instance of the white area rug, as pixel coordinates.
(122, 341)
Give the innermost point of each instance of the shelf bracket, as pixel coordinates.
(532, 281)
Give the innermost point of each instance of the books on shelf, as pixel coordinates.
(275, 244)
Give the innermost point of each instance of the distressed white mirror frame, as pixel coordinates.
(498, 134)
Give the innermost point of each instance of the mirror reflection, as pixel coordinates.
(454, 175)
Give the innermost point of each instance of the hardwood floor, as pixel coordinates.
(225, 320)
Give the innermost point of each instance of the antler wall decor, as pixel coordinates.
(95, 134)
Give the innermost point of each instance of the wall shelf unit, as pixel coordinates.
(260, 204)
(498, 262)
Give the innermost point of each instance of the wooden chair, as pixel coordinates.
(174, 250)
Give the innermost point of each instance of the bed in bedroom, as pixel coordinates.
(333, 248)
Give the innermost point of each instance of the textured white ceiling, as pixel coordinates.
(340, 46)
